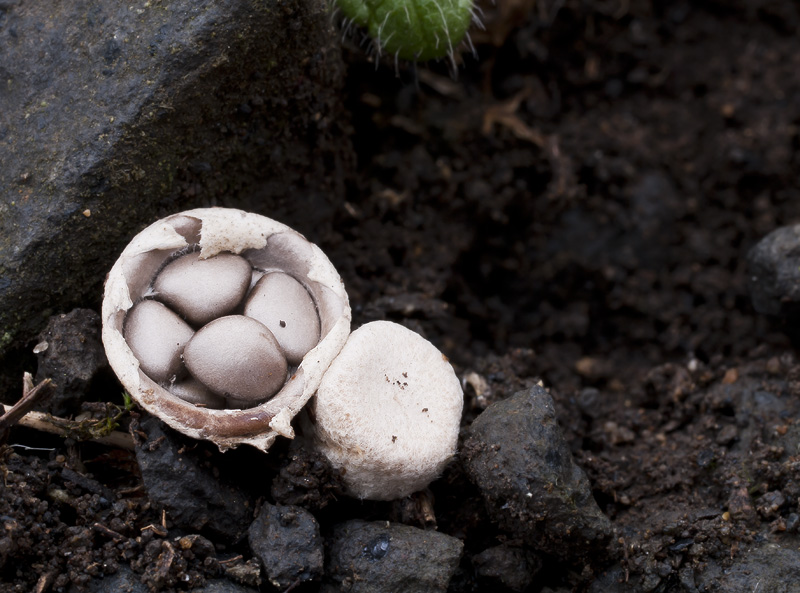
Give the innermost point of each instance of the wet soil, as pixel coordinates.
(576, 208)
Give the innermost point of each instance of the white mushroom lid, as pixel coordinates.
(388, 411)
(268, 246)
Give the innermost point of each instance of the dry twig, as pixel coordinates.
(55, 425)
(21, 414)
(31, 395)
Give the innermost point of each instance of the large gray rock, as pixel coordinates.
(113, 114)
(517, 456)
(774, 272)
(193, 497)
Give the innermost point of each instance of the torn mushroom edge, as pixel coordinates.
(236, 231)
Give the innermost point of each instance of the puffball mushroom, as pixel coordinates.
(388, 411)
(202, 239)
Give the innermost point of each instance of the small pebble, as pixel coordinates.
(507, 567)
(238, 358)
(283, 304)
(203, 289)
(383, 557)
(287, 541)
(70, 352)
(157, 336)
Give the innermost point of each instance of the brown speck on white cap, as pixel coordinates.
(369, 428)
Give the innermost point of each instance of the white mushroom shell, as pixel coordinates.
(388, 412)
(268, 245)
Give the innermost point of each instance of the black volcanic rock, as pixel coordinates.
(113, 114)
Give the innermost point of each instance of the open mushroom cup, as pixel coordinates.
(142, 274)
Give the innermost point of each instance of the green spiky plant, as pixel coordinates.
(415, 30)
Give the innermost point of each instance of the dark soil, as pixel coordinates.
(575, 208)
